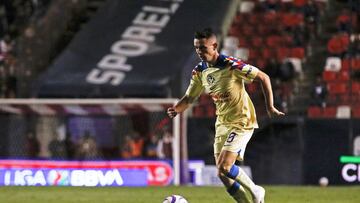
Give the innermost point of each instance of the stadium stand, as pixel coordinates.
(279, 49)
(341, 67)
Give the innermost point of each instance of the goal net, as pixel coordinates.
(93, 130)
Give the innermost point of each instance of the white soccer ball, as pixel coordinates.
(323, 181)
(175, 199)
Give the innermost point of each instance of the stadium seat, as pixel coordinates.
(242, 53)
(355, 63)
(267, 53)
(231, 42)
(356, 112)
(333, 64)
(343, 112)
(345, 99)
(271, 17)
(248, 30)
(234, 31)
(343, 76)
(243, 42)
(228, 51)
(292, 19)
(257, 41)
(337, 45)
(238, 19)
(262, 30)
(329, 76)
(314, 112)
(350, 63)
(260, 63)
(345, 64)
(282, 53)
(355, 87)
(299, 3)
(273, 41)
(253, 19)
(298, 52)
(253, 54)
(329, 112)
(246, 6)
(337, 88)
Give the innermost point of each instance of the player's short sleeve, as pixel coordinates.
(195, 87)
(244, 71)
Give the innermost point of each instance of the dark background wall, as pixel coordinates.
(286, 151)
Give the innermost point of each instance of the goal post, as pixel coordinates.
(51, 119)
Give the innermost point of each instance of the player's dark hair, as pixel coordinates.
(205, 33)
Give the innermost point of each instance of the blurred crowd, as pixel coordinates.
(14, 15)
(131, 146)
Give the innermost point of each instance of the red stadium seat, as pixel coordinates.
(248, 30)
(298, 52)
(344, 76)
(253, 19)
(345, 64)
(355, 63)
(350, 63)
(355, 87)
(271, 17)
(314, 112)
(238, 19)
(260, 63)
(267, 53)
(356, 111)
(299, 3)
(344, 99)
(329, 112)
(292, 19)
(234, 31)
(273, 41)
(339, 43)
(282, 53)
(243, 42)
(257, 41)
(253, 54)
(287, 40)
(262, 30)
(337, 88)
(329, 76)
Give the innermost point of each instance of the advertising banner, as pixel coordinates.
(84, 173)
(350, 171)
(73, 177)
(134, 48)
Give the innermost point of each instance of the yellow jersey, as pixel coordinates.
(224, 82)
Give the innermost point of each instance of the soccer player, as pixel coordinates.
(223, 78)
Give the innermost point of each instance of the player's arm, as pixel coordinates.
(264, 79)
(179, 107)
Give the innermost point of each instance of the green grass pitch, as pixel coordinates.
(275, 194)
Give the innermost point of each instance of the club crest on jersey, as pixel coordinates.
(210, 79)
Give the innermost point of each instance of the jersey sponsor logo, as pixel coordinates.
(210, 79)
(221, 96)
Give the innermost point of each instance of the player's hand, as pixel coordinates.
(274, 112)
(171, 112)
